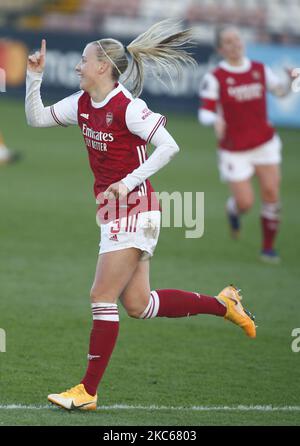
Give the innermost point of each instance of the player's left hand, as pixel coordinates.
(293, 73)
(116, 190)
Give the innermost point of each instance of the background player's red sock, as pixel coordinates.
(270, 224)
(178, 303)
(102, 341)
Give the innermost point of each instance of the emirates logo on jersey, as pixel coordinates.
(109, 118)
(246, 92)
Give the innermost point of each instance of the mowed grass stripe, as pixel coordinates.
(239, 408)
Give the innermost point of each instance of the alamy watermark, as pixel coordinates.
(2, 341)
(179, 209)
(295, 346)
(2, 81)
(188, 212)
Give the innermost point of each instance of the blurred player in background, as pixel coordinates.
(7, 156)
(233, 101)
(116, 126)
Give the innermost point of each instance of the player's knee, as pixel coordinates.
(94, 295)
(135, 310)
(245, 204)
(97, 295)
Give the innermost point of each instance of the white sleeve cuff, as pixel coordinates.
(129, 182)
(207, 117)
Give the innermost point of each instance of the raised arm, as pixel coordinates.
(276, 85)
(37, 115)
(62, 113)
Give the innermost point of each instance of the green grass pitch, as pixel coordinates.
(194, 371)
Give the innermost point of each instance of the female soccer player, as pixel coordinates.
(233, 100)
(116, 126)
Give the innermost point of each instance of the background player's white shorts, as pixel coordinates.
(240, 166)
(138, 231)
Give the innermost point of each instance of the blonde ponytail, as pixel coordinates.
(160, 49)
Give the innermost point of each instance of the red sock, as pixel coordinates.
(178, 303)
(102, 341)
(269, 230)
(270, 218)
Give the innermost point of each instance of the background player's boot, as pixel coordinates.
(270, 256)
(74, 398)
(8, 156)
(235, 312)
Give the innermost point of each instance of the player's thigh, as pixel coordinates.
(135, 296)
(269, 177)
(243, 193)
(113, 272)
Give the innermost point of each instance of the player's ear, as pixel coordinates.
(102, 67)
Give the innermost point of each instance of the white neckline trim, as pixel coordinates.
(239, 69)
(105, 101)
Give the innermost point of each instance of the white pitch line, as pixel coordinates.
(239, 408)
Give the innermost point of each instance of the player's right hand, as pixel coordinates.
(220, 127)
(36, 62)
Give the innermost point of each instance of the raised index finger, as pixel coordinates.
(43, 47)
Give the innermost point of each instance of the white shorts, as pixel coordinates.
(138, 231)
(239, 166)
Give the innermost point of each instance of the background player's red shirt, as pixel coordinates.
(241, 99)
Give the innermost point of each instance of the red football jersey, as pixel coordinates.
(114, 150)
(241, 99)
